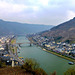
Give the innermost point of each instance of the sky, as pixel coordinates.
(47, 12)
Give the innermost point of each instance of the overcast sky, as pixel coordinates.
(48, 12)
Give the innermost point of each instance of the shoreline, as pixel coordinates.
(59, 55)
(12, 53)
(64, 57)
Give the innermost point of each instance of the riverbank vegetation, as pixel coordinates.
(13, 41)
(13, 47)
(70, 71)
(32, 66)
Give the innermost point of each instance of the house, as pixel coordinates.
(67, 51)
(46, 45)
(1, 47)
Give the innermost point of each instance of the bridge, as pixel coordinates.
(24, 43)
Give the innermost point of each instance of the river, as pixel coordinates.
(47, 61)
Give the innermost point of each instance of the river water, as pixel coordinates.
(47, 61)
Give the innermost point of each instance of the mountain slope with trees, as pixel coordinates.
(7, 27)
(66, 31)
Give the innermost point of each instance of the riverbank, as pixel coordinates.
(13, 51)
(59, 55)
(62, 56)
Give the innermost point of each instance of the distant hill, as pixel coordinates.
(64, 31)
(7, 27)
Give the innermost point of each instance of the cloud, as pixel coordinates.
(37, 11)
(11, 8)
(43, 2)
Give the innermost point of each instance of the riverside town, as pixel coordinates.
(61, 49)
(37, 37)
(8, 51)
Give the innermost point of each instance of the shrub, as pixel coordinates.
(2, 64)
(30, 65)
(70, 71)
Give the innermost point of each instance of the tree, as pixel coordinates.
(2, 64)
(54, 73)
(6, 46)
(30, 65)
(70, 71)
(39, 71)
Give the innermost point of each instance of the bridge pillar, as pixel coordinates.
(30, 44)
(19, 45)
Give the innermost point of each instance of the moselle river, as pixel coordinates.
(47, 61)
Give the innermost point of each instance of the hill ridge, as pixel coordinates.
(8, 27)
(65, 30)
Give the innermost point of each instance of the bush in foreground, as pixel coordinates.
(2, 64)
(30, 65)
(70, 71)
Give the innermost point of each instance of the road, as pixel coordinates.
(15, 57)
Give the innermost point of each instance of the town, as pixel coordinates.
(9, 54)
(49, 44)
(8, 51)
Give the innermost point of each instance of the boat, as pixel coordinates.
(71, 63)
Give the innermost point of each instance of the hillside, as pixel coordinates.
(7, 27)
(66, 31)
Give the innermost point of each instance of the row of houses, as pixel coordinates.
(58, 47)
(5, 55)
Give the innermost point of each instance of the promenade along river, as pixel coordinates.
(47, 61)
